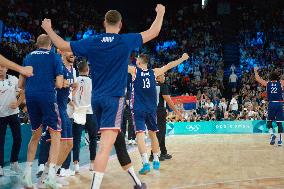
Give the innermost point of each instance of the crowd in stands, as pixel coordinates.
(260, 38)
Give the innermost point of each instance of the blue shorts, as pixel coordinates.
(275, 112)
(109, 112)
(43, 113)
(141, 118)
(66, 133)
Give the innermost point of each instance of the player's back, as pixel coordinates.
(46, 66)
(274, 91)
(144, 93)
(108, 55)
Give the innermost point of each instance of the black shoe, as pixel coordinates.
(143, 186)
(161, 158)
(166, 156)
(151, 158)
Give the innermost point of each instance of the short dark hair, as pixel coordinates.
(83, 66)
(144, 58)
(112, 17)
(274, 76)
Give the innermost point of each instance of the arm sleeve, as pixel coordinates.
(133, 40)
(164, 89)
(81, 47)
(58, 66)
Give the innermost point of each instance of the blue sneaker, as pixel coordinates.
(156, 165)
(279, 142)
(145, 169)
(272, 141)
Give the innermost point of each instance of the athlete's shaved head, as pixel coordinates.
(83, 67)
(113, 18)
(43, 41)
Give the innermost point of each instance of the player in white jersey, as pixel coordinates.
(26, 71)
(9, 116)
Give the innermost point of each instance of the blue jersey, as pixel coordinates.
(46, 67)
(144, 93)
(108, 55)
(63, 93)
(274, 91)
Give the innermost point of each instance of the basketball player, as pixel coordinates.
(144, 105)
(25, 71)
(9, 116)
(275, 100)
(108, 55)
(42, 106)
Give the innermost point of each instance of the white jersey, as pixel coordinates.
(83, 95)
(70, 109)
(8, 94)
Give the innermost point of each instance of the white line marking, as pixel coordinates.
(227, 182)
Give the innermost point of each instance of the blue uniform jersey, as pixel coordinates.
(274, 91)
(63, 93)
(144, 93)
(108, 55)
(46, 66)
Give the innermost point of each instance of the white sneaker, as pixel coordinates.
(91, 167)
(130, 142)
(77, 168)
(15, 167)
(1, 172)
(40, 170)
(66, 172)
(27, 181)
(134, 142)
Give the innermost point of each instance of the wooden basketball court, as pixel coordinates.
(204, 162)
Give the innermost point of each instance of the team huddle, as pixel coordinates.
(52, 90)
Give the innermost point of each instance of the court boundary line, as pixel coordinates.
(226, 182)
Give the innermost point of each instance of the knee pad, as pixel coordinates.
(280, 127)
(121, 150)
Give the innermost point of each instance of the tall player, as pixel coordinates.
(25, 71)
(41, 104)
(108, 55)
(275, 100)
(144, 105)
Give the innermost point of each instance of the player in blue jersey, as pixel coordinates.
(25, 71)
(275, 100)
(41, 103)
(108, 55)
(144, 105)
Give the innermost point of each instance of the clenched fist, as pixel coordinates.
(160, 9)
(46, 24)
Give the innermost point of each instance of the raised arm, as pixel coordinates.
(26, 71)
(60, 43)
(131, 70)
(156, 26)
(258, 78)
(162, 70)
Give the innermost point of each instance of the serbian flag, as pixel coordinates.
(189, 102)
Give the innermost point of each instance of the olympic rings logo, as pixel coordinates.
(192, 128)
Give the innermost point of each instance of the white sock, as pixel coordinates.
(28, 169)
(57, 167)
(97, 180)
(271, 131)
(156, 157)
(51, 170)
(136, 180)
(145, 158)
